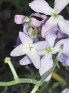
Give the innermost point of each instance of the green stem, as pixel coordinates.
(35, 88)
(8, 61)
(20, 80)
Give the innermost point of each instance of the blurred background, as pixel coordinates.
(8, 35)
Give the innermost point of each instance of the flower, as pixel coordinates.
(20, 19)
(30, 23)
(66, 90)
(42, 6)
(27, 47)
(52, 48)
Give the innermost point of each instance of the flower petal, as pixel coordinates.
(63, 25)
(59, 5)
(34, 57)
(40, 45)
(52, 21)
(65, 43)
(25, 28)
(51, 37)
(36, 22)
(46, 64)
(25, 38)
(25, 61)
(64, 60)
(66, 90)
(18, 51)
(41, 6)
(18, 19)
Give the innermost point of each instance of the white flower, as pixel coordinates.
(27, 47)
(53, 48)
(42, 6)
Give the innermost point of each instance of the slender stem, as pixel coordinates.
(35, 88)
(8, 61)
(20, 80)
(58, 78)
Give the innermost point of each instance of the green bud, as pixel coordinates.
(7, 59)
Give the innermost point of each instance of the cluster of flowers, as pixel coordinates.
(41, 39)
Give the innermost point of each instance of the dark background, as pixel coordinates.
(8, 35)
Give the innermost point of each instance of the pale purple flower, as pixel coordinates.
(20, 19)
(66, 90)
(42, 6)
(27, 47)
(52, 48)
(30, 23)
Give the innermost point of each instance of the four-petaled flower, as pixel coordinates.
(27, 47)
(42, 6)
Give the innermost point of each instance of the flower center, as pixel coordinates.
(48, 50)
(32, 32)
(55, 14)
(29, 47)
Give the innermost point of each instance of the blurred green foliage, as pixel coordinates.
(8, 35)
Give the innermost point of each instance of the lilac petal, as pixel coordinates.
(49, 24)
(40, 45)
(18, 51)
(39, 15)
(66, 90)
(64, 60)
(35, 39)
(25, 38)
(51, 37)
(60, 35)
(46, 64)
(18, 41)
(63, 25)
(36, 22)
(41, 6)
(18, 19)
(24, 61)
(65, 43)
(59, 5)
(34, 57)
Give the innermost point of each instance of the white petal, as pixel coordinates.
(41, 6)
(25, 38)
(65, 43)
(52, 21)
(24, 61)
(42, 53)
(63, 25)
(18, 19)
(59, 5)
(40, 45)
(18, 51)
(46, 64)
(34, 57)
(51, 37)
